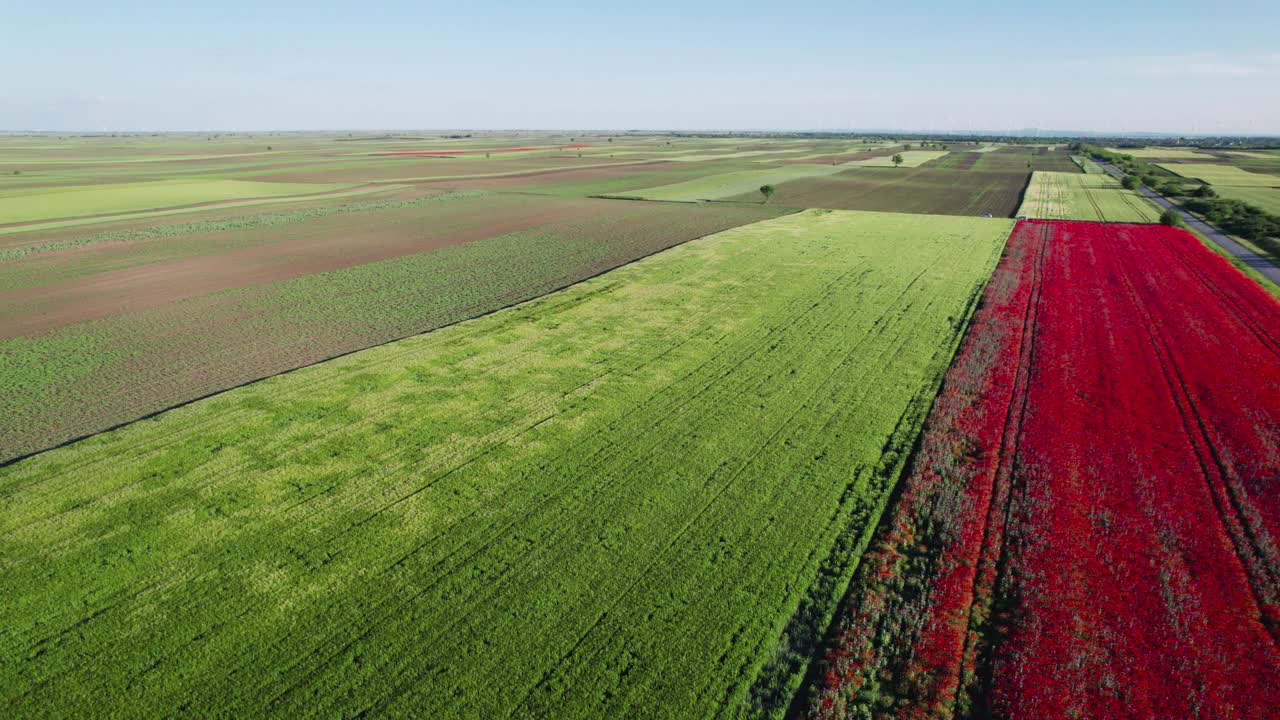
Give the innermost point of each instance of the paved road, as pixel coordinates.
(1264, 266)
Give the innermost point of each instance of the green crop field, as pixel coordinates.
(1084, 196)
(1263, 198)
(1088, 165)
(1152, 153)
(608, 502)
(27, 205)
(714, 187)
(1217, 175)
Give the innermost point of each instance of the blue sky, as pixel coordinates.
(1114, 66)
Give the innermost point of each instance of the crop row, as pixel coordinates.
(94, 374)
(639, 497)
(1084, 196)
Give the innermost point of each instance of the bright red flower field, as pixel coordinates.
(1089, 528)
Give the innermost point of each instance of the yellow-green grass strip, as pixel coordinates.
(1152, 153)
(1216, 174)
(20, 206)
(1084, 196)
(910, 158)
(54, 225)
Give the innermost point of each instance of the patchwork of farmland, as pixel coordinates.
(910, 159)
(1216, 174)
(1093, 499)
(105, 329)
(1084, 196)
(586, 425)
(1253, 186)
(914, 190)
(638, 496)
(715, 187)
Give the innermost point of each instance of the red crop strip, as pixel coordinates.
(1089, 527)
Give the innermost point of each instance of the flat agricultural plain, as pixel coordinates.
(1084, 196)
(613, 500)
(140, 273)
(582, 425)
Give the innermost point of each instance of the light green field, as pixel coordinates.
(608, 502)
(283, 199)
(1263, 198)
(910, 158)
(124, 159)
(1163, 153)
(1084, 196)
(723, 185)
(29, 205)
(700, 157)
(1216, 175)
(1254, 155)
(1087, 165)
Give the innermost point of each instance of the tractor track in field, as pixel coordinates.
(1212, 469)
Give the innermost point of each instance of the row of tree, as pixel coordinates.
(1234, 217)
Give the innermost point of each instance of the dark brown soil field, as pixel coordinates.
(180, 317)
(955, 161)
(1016, 158)
(913, 190)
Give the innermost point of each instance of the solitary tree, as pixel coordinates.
(1205, 191)
(767, 192)
(1171, 217)
(1129, 182)
(897, 159)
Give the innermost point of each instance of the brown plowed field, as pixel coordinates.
(913, 190)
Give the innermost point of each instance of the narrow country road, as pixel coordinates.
(1264, 266)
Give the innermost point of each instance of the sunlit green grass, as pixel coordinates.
(1084, 196)
(607, 502)
(20, 205)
